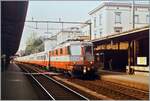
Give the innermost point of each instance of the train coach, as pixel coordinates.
(73, 57)
(41, 59)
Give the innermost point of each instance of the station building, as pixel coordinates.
(124, 52)
(115, 17)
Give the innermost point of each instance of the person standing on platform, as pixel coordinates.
(110, 64)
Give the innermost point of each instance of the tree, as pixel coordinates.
(34, 44)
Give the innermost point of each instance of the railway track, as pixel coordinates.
(128, 91)
(53, 89)
(112, 90)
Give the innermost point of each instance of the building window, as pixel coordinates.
(100, 32)
(117, 17)
(136, 18)
(100, 19)
(94, 21)
(118, 29)
(95, 34)
(147, 19)
(68, 36)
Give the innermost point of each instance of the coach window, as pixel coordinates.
(61, 51)
(43, 57)
(52, 53)
(56, 52)
(68, 50)
(38, 57)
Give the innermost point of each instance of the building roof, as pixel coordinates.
(70, 30)
(118, 5)
(122, 33)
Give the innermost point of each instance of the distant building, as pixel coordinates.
(115, 17)
(68, 34)
(85, 28)
(50, 42)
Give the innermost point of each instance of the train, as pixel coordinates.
(74, 57)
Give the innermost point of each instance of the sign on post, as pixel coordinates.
(141, 60)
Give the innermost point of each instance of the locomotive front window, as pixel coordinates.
(75, 50)
(68, 50)
(88, 49)
(88, 53)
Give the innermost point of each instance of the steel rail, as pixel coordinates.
(66, 87)
(39, 84)
(55, 81)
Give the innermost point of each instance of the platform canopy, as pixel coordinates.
(12, 23)
(130, 35)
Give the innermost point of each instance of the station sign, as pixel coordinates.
(141, 60)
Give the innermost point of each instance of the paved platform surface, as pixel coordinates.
(15, 85)
(136, 81)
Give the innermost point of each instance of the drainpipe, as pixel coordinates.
(133, 11)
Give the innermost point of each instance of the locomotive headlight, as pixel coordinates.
(88, 68)
(84, 71)
(91, 62)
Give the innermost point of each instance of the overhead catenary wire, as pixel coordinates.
(61, 22)
(32, 27)
(57, 22)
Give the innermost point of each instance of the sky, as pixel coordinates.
(53, 10)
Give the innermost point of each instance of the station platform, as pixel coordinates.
(15, 85)
(135, 81)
